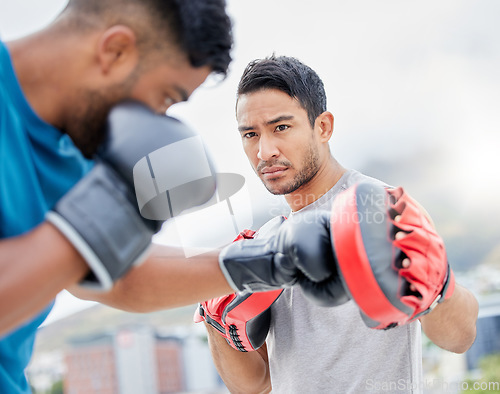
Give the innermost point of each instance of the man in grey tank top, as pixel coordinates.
(285, 130)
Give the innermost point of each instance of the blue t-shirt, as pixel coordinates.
(38, 164)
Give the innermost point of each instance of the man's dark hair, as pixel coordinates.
(204, 31)
(290, 76)
(199, 28)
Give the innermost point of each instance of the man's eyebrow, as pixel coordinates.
(281, 118)
(241, 129)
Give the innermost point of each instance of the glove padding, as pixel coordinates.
(299, 253)
(136, 184)
(370, 258)
(243, 319)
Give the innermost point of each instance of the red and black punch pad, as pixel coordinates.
(370, 259)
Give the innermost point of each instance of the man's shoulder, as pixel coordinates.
(351, 177)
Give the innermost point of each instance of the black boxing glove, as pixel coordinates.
(150, 168)
(299, 253)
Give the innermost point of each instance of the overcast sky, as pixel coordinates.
(401, 76)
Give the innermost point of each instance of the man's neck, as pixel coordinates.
(43, 74)
(327, 176)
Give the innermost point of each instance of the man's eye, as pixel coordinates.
(249, 134)
(282, 127)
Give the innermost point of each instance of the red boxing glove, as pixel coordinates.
(242, 318)
(393, 280)
(212, 310)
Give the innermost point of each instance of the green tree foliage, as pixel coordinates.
(490, 377)
(57, 388)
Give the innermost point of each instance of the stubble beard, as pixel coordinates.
(87, 125)
(309, 169)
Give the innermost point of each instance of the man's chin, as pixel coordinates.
(281, 188)
(274, 189)
(88, 141)
(90, 152)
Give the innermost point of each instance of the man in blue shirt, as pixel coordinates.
(56, 89)
(37, 165)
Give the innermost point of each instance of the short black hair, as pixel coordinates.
(204, 32)
(200, 28)
(290, 76)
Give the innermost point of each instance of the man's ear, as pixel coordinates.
(117, 51)
(324, 122)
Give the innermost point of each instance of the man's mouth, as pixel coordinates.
(273, 171)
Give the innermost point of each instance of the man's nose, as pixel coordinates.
(267, 148)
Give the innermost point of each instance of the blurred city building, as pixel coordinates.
(488, 332)
(139, 360)
(102, 350)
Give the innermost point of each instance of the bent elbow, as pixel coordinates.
(466, 341)
(471, 337)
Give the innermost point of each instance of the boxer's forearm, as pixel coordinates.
(452, 324)
(242, 372)
(34, 268)
(167, 279)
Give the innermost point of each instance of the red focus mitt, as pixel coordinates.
(242, 318)
(393, 280)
